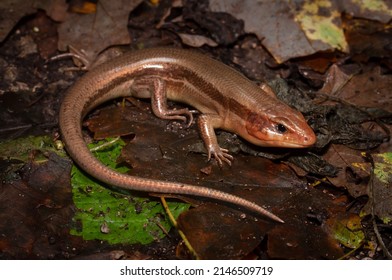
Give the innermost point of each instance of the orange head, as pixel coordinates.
(287, 128)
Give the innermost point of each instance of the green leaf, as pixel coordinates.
(349, 232)
(383, 167)
(380, 190)
(115, 217)
(320, 21)
(19, 151)
(21, 148)
(373, 5)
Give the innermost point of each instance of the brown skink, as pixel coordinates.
(224, 97)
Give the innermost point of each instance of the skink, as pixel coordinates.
(225, 98)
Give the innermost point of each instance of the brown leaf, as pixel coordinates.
(217, 232)
(354, 170)
(196, 40)
(11, 12)
(257, 19)
(303, 235)
(368, 89)
(93, 33)
(380, 188)
(35, 211)
(305, 242)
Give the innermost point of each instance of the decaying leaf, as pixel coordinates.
(347, 230)
(364, 89)
(92, 33)
(217, 232)
(322, 25)
(11, 11)
(380, 188)
(196, 40)
(354, 169)
(314, 26)
(258, 20)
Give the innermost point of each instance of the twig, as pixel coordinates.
(174, 223)
(104, 145)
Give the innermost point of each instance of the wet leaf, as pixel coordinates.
(112, 216)
(36, 210)
(304, 241)
(304, 236)
(16, 153)
(380, 190)
(21, 148)
(217, 232)
(347, 230)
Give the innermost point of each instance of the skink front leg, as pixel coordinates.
(155, 88)
(206, 124)
(157, 91)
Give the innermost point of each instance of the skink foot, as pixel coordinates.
(221, 155)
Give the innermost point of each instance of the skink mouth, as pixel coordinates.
(294, 145)
(307, 141)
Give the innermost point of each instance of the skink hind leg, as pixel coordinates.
(206, 124)
(155, 88)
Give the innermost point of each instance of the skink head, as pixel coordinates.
(284, 127)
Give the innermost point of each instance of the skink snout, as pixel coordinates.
(309, 138)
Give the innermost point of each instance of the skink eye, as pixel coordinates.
(281, 128)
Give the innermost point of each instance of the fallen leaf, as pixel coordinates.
(354, 170)
(303, 236)
(217, 232)
(370, 89)
(116, 216)
(196, 40)
(11, 12)
(36, 211)
(347, 229)
(368, 39)
(321, 22)
(313, 26)
(263, 16)
(306, 242)
(92, 33)
(380, 10)
(380, 188)
(223, 28)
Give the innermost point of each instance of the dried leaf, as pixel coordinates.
(92, 33)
